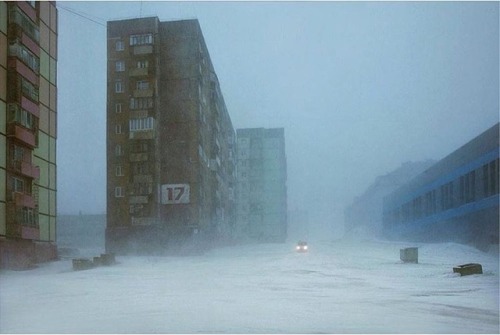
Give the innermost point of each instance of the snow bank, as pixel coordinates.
(338, 287)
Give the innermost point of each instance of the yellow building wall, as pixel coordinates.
(44, 225)
(3, 17)
(52, 228)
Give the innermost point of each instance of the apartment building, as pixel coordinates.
(28, 132)
(262, 191)
(170, 140)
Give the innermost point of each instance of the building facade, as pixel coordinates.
(262, 190)
(170, 140)
(457, 199)
(364, 214)
(28, 132)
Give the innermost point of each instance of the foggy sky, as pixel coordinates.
(360, 87)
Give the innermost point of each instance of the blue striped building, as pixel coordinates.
(457, 199)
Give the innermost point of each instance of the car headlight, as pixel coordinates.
(297, 247)
(305, 247)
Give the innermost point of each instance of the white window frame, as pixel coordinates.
(118, 86)
(142, 85)
(119, 193)
(18, 185)
(119, 171)
(141, 124)
(118, 107)
(118, 128)
(119, 45)
(120, 66)
(141, 39)
(142, 64)
(118, 150)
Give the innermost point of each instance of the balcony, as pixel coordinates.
(24, 232)
(142, 49)
(30, 106)
(21, 134)
(23, 22)
(139, 157)
(20, 51)
(17, 33)
(142, 135)
(136, 72)
(143, 93)
(27, 9)
(26, 169)
(138, 199)
(23, 200)
(23, 70)
(143, 178)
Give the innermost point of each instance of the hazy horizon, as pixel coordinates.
(360, 87)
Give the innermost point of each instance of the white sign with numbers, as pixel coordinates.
(172, 194)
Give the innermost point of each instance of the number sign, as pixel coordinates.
(172, 194)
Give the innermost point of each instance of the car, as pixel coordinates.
(301, 246)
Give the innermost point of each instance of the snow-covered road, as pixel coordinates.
(338, 287)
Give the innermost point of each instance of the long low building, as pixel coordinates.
(457, 199)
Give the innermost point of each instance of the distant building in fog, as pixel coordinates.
(170, 140)
(262, 190)
(457, 199)
(28, 132)
(364, 215)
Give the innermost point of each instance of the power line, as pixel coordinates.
(85, 16)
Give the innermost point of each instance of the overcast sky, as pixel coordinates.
(360, 87)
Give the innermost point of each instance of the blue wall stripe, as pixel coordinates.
(453, 213)
(453, 175)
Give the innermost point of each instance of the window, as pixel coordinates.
(119, 45)
(29, 27)
(417, 208)
(447, 196)
(142, 85)
(20, 51)
(141, 39)
(141, 103)
(18, 185)
(21, 116)
(118, 108)
(468, 187)
(494, 177)
(143, 188)
(28, 216)
(119, 193)
(140, 146)
(29, 90)
(17, 153)
(119, 171)
(486, 191)
(142, 64)
(119, 66)
(118, 86)
(140, 168)
(118, 129)
(118, 150)
(141, 124)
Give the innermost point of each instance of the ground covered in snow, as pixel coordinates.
(337, 287)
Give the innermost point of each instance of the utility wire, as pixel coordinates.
(85, 16)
